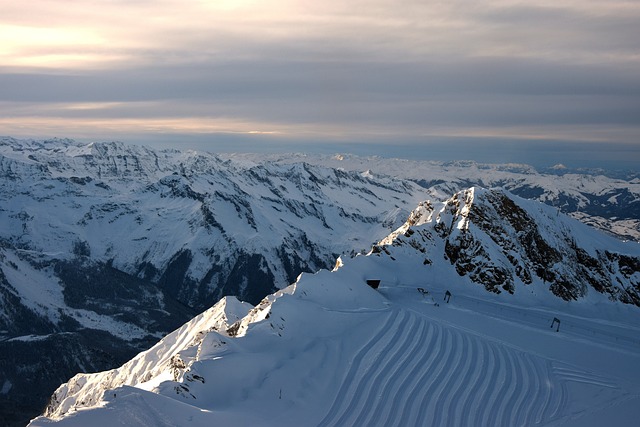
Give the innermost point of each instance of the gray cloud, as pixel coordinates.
(471, 92)
(372, 71)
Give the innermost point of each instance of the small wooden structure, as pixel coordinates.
(373, 283)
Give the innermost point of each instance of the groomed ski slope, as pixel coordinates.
(330, 351)
(433, 365)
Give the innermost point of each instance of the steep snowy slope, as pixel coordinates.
(331, 351)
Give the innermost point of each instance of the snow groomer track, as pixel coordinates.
(415, 371)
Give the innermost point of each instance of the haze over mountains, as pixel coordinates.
(106, 247)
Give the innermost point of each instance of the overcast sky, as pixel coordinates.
(404, 77)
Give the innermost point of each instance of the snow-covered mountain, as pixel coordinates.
(506, 243)
(106, 247)
(608, 200)
(126, 243)
(553, 342)
(191, 222)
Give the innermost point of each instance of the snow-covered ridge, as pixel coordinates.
(506, 243)
(165, 361)
(400, 355)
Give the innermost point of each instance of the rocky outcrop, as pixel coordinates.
(505, 243)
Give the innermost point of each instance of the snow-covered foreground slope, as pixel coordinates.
(331, 351)
(386, 357)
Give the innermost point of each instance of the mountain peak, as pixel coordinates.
(506, 243)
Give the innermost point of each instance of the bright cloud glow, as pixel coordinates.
(34, 46)
(180, 31)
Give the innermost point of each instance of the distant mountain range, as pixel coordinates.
(608, 200)
(107, 247)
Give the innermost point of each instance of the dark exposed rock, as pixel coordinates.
(15, 318)
(525, 253)
(250, 278)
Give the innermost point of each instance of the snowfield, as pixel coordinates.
(331, 351)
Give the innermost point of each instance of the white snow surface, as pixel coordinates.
(331, 351)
